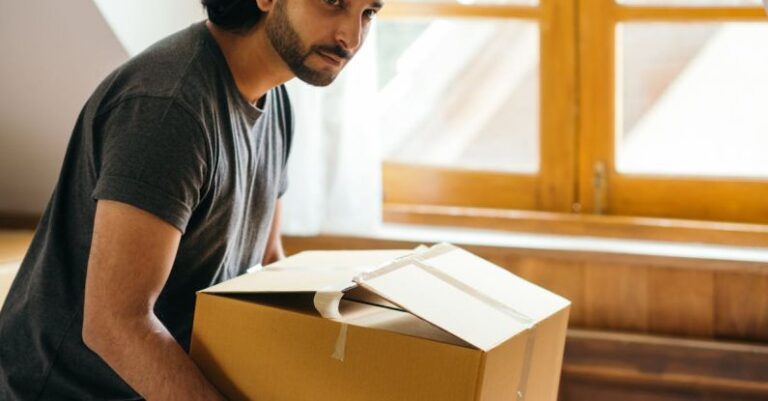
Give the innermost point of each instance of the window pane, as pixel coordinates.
(692, 3)
(460, 93)
(692, 99)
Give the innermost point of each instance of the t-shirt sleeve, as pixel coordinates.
(287, 130)
(152, 154)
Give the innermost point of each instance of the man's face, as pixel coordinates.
(317, 38)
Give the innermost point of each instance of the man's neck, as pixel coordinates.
(254, 63)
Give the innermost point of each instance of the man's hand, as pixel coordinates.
(132, 253)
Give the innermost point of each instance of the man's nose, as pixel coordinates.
(350, 34)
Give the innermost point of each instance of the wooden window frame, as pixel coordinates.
(704, 198)
(551, 187)
(576, 131)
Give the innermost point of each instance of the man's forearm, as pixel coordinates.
(274, 251)
(148, 358)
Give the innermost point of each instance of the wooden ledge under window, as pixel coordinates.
(641, 228)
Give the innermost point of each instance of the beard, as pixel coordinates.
(288, 44)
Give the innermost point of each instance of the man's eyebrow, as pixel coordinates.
(377, 4)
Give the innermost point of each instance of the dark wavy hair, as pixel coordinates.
(233, 15)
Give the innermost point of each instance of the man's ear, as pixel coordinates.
(265, 5)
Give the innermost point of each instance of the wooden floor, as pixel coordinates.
(13, 245)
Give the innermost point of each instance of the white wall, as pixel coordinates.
(53, 54)
(139, 23)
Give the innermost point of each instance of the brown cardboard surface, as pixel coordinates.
(327, 273)
(309, 271)
(252, 351)
(285, 281)
(547, 357)
(363, 260)
(468, 330)
(502, 370)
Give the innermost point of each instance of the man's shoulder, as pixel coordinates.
(177, 68)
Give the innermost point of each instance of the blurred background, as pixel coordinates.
(612, 151)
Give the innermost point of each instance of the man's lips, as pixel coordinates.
(331, 58)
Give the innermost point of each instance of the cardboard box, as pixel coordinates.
(437, 324)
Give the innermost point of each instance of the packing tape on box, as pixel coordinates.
(327, 304)
(523, 319)
(327, 301)
(341, 344)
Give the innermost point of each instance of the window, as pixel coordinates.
(478, 111)
(673, 133)
(634, 108)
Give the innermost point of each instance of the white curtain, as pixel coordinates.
(334, 170)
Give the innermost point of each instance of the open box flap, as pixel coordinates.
(462, 294)
(494, 281)
(326, 273)
(309, 280)
(362, 260)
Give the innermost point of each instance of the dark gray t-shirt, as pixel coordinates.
(168, 132)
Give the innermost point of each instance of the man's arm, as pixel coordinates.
(132, 253)
(274, 250)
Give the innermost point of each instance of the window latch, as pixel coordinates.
(600, 186)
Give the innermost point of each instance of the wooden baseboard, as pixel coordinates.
(609, 366)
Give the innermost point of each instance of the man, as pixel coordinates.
(170, 184)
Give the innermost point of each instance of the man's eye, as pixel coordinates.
(370, 13)
(335, 3)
